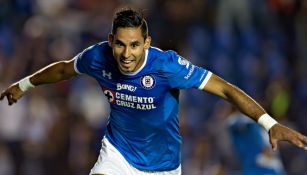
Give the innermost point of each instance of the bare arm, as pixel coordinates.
(234, 95)
(52, 73)
(251, 108)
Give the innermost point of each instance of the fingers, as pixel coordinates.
(9, 97)
(300, 144)
(304, 138)
(274, 144)
(303, 142)
(299, 140)
(283, 133)
(2, 95)
(273, 140)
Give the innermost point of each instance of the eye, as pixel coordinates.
(134, 45)
(119, 44)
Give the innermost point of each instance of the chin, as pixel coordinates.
(130, 69)
(126, 70)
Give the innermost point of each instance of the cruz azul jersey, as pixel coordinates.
(143, 123)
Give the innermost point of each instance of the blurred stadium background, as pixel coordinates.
(259, 45)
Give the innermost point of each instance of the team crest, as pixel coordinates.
(182, 61)
(148, 82)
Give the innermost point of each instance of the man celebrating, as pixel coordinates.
(142, 84)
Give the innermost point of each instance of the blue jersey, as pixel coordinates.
(143, 123)
(249, 141)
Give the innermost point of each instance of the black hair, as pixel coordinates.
(128, 17)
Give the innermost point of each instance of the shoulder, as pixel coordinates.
(163, 58)
(94, 57)
(96, 53)
(162, 55)
(169, 61)
(98, 49)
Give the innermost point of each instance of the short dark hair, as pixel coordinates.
(127, 17)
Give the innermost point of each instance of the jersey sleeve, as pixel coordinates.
(183, 74)
(83, 61)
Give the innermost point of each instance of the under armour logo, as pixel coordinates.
(107, 74)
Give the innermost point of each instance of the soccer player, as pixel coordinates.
(142, 84)
(251, 144)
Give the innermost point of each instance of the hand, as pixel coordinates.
(13, 93)
(280, 132)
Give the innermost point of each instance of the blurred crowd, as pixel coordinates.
(258, 45)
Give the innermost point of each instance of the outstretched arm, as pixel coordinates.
(251, 108)
(52, 73)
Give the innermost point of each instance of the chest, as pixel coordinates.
(142, 92)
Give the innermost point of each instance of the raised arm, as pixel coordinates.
(234, 95)
(52, 73)
(251, 108)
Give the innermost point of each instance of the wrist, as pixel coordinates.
(266, 121)
(25, 84)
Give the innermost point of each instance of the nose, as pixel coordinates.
(127, 52)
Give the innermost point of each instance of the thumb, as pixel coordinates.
(274, 144)
(2, 95)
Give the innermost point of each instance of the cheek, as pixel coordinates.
(138, 52)
(116, 52)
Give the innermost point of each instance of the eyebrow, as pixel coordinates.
(120, 42)
(135, 42)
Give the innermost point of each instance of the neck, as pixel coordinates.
(140, 63)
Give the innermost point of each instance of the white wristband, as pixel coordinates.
(267, 121)
(25, 84)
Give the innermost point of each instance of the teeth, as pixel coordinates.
(127, 61)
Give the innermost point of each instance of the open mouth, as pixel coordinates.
(126, 61)
(126, 64)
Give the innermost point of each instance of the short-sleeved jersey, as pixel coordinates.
(249, 141)
(143, 123)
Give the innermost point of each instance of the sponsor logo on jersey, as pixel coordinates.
(125, 87)
(182, 61)
(130, 101)
(110, 95)
(190, 72)
(148, 82)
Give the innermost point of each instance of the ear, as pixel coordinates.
(110, 39)
(147, 42)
